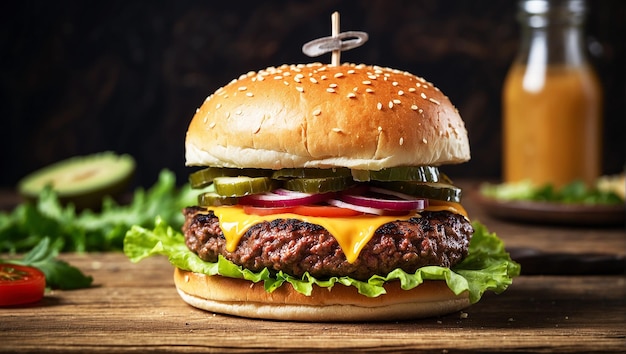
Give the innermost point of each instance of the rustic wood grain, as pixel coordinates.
(134, 307)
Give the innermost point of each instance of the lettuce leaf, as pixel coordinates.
(487, 267)
(576, 192)
(92, 231)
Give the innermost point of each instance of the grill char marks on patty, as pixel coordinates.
(295, 247)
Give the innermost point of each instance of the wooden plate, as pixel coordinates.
(554, 213)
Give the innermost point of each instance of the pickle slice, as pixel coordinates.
(240, 186)
(318, 185)
(287, 173)
(214, 199)
(204, 177)
(439, 191)
(400, 173)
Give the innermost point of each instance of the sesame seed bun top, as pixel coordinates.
(316, 115)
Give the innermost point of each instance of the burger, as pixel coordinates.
(320, 199)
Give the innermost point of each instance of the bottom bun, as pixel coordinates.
(243, 298)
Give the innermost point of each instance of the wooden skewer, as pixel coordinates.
(336, 54)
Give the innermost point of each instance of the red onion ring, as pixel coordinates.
(368, 210)
(283, 198)
(407, 202)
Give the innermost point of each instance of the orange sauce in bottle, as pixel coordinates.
(552, 125)
(551, 99)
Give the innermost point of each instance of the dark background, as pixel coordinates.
(78, 77)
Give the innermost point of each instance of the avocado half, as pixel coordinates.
(82, 180)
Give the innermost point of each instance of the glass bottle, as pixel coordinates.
(552, 100)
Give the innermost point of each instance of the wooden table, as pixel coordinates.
(135, 308)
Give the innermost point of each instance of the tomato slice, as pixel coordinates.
(20, 284)
(325, 211)
(305, 210)
(262, 211)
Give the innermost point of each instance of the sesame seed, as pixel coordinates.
(412, 89)
(351, 95)
(420, 110)
(332, 85)
(395, 83)
(380, 129)
(337, 130)
(205, 119)
(390, 104)
(400, 93)
(227, 115)
(425, 141)
(414, 107)
(260, 78)
(313, 80)
(242, 88)
(278, 77)
(212, 125)
(350, 71)
(366, 82)
(379, 106)
(323, 77)
(330, 89)
(300, 89)
(423, 95)
(401, 141)
(338, 75)
(249, 94)
(396, 101)
(217, 106)
(238, 112)
(373, 77)
(434, 101)
(317, 112)
(369, 90)
(418, 84)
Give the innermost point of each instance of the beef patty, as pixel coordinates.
(295, 247)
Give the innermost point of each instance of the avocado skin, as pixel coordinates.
(88, 194)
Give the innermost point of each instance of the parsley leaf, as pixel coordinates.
(59, 274)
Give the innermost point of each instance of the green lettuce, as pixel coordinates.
(487, 267)
(103, 230)
(576, 192)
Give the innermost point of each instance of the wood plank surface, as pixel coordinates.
(134, 307)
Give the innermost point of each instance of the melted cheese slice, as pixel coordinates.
(352, 233)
